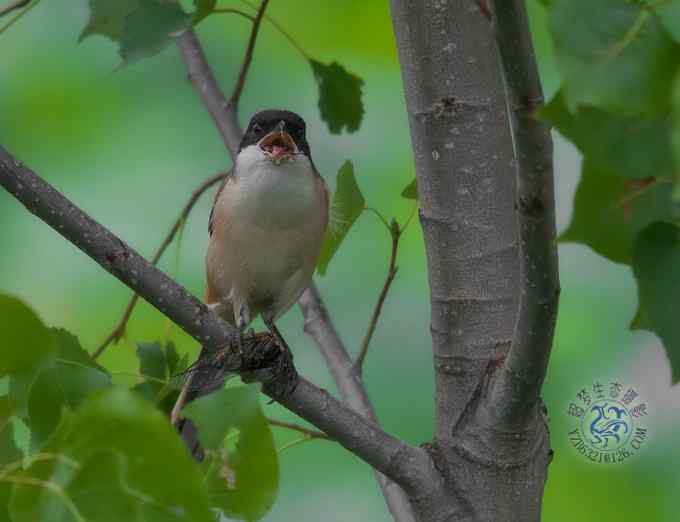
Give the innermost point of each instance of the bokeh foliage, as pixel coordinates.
(619, 104)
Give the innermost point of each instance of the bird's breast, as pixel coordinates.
(281, 196)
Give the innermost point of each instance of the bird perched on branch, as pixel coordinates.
(267, 224)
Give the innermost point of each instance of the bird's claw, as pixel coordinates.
(272, 365)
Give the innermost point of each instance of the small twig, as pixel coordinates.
(281, 30)
(18, 4)
(380, 217)
(309, 433)
(395, 232)
(234, 11)
(119, 329)
(248, 58)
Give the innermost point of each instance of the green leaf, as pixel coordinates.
(348, 204)
(152, 360)
(62, 385)
(147, 30)
(656, 265)
(339, 96)
(115, 444)
(242, 482)
(613, 55)
(26, 341)
(631, 147)
(609, 211)
(107, 18)
(410, 191)
(203, 9)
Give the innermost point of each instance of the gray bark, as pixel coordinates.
(491, 442)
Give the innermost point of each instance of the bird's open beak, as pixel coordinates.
(278, 145)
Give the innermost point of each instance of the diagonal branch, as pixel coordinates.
(248, 58)
(119, 329)
(320, 327)
(516, 392)
(410, 467)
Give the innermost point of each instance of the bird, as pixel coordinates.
(267, 224)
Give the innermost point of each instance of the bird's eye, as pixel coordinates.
(257, 130)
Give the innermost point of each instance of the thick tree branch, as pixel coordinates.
(320, 327)
(317, 322)
(248, 58)
(466, 186)
(466, 174)
(516, 391)
(411, 467)
(119, 329)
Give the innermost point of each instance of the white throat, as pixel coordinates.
(275, 192)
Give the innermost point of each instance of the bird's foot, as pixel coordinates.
(271, 364)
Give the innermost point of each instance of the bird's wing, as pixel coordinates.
(217, 196)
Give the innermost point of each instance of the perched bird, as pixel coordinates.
(267, 224)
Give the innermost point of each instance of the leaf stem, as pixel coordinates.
(380, 216)
(233, 11)
(119, 329)
(248, 58)
(283, 32)
(309, 433)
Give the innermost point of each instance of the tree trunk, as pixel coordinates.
(491, 442)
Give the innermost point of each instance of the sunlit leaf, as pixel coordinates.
(613, 55)
(410, 191)
(148, 29)
(631, 147)
(609, 211)
(340, 100)
(348, 204)
(243, 480)
(656, 264)
(143, 465)
(107, 18)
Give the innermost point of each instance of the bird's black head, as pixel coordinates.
(277, 132)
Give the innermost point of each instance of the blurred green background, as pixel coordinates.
(129, 146)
